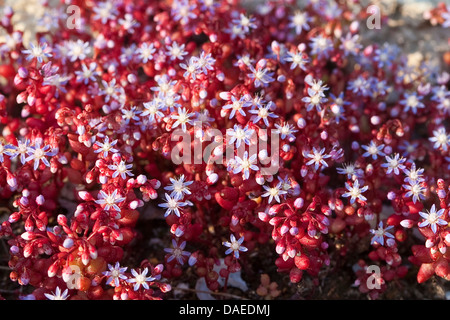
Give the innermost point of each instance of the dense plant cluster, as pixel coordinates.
(362, 156)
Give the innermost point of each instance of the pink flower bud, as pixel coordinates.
(225, 95)
(291, 252)
(28, 235)
(131, 78)
(21, 97)
(19, 81)
(11, 180)
(133, 204)
(441, 194)
(117, 235)
(86, 196)
(31, 99)
(165, 288)
(29, 225)
(213, 37)
(27, 251)
(298, 203)
(390, 242)
(24, 201)
(354, 26)
(280, 248)
(442, 247)
(152, 194)
(263, 216)
(293, 231)
(62, 220)
(22, 72)
(53, 269)
(303, 171)
(89, 177)
(192, 260)
(234, 220)
(40, 200)
(212, 178)
(275, 220)
(301, 123)
(24, 278)
(259, 178)
(14, 250)
(159, 268)
(407, 223)
(103, 179)
(281, 78)
(284, 229)
(93, 253)
(85, 258)
(274, 209)
(447, 238)
(262, 63)
(156, 184)
(116, 157)
(68, 243)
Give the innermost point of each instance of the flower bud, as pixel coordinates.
(294, 231)
(86, 196)
(212, 178)
(14, 250)
(301, 123)
(263, 155)
(28, 235)
(21, 97)
(192, 260)
(225, 95)
(284, 229)
(22, 72)
(165, 287)
(407, 223)
(62, 219)
(29, 225)
(68, 243)
(103, 179)
(291, 252)
(27, 250)
(259, 178)
(11, 180)
(131, 78)
(53, 269)
(85, 259)
(280, 248)
(298, 203)
(442, 247)
(31, 99)
(263, 216)
(89, 177)
(93, 253)
(354, 26)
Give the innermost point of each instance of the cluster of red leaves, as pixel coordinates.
(362, 158)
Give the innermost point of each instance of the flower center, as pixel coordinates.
(38, 153)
